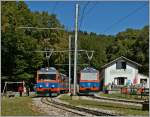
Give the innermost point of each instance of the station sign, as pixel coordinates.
(121, 71)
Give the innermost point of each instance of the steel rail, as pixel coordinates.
(117, 100)
(82, 109)
(47, 102)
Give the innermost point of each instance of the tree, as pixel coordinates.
(132, 44)
(19, 61)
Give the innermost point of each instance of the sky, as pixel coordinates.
(100, 17)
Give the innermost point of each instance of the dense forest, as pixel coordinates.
(19, 61)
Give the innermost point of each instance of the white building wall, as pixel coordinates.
(111, 72)
(141, 76)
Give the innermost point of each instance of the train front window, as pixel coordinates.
(88, 76)
(47, 76)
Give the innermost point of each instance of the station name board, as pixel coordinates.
(121, 71)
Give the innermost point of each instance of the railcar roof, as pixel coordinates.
(48, 70)
(89, 69)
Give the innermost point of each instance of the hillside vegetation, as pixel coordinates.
(18, 46)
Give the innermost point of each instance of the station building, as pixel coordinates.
(121, 72)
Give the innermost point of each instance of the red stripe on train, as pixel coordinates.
(47, 81)
(92, 88)
(50, 89)
(89, 81)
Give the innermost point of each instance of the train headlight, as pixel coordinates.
(40, 86)
(89, 84)
(47, 69)
(53, 86)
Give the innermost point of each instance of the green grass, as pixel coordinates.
(18, 106)
(124, 96)
(119, 108)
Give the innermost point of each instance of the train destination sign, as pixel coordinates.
(46, 72)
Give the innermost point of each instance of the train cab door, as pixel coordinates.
(37, 76)
(58, 78)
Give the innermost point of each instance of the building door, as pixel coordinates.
(143, 82)
(120, 80)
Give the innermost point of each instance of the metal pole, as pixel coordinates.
(4, 88)
(75, 53)
(47, 57)
(69, 63)
(48, 61)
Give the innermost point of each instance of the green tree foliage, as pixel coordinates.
(141, 49)
(95, 42)
(133, 44)
(19, 61)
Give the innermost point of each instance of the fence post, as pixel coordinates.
(145, 105)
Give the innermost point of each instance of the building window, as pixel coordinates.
(120, 65)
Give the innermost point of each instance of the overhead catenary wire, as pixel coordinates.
(54, 8)
(90, 9)
(63, 50)
(72, 64)
(56, 28)
(48, 53)
(86, 13)
(123, 18)
(81, 21)
(82, 15)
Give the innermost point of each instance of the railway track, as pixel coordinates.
(52, 103)
(81, 109)
(117, 100)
